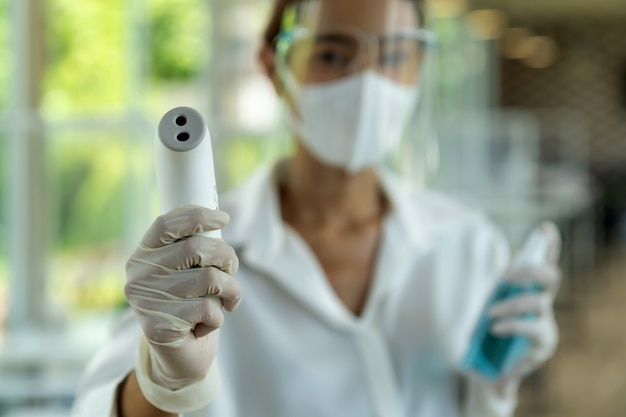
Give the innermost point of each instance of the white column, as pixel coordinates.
(28, 206)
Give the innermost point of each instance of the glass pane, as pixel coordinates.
(245, 106)
(105, 57)
(177, 54)
(101, 184)
(86, 69)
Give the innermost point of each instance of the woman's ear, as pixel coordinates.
(267, 57)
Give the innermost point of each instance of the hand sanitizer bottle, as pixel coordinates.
(494, 356)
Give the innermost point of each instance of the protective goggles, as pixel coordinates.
(316, 51)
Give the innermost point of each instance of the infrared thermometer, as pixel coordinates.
(494, 356)
(183, 154)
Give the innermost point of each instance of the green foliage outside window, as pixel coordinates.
(178, 35)
(88, 192)
(85, 70)
(91, 50)
(92, 53)
(90, 177)
(89, 66)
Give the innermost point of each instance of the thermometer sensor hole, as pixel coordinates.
(183, 137)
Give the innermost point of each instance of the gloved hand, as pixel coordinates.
(499, 398)
(169, 277)
(542, 329)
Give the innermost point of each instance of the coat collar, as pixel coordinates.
(266, 244)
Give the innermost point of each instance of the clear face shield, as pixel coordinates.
(351, 72)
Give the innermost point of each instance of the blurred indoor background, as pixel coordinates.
(530, 124)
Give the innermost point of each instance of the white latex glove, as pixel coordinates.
(542, 329)
(169, 277)
(499, 398)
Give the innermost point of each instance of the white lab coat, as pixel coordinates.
(293, 349)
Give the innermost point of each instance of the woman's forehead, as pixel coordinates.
(372, 16)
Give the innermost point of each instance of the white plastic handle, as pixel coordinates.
(184, 162)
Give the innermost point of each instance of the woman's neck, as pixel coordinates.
(316, 194)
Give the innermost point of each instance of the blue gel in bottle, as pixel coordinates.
(494, 356)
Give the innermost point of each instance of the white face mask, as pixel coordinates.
(353, 123)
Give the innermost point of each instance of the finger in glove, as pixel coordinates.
(547, 276)
(538, 304)
(169, 321)
(183, 222)
(541, 332)
(190, 252)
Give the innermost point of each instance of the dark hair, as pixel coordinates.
(273, 27)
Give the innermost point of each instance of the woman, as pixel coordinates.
(360, 299)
